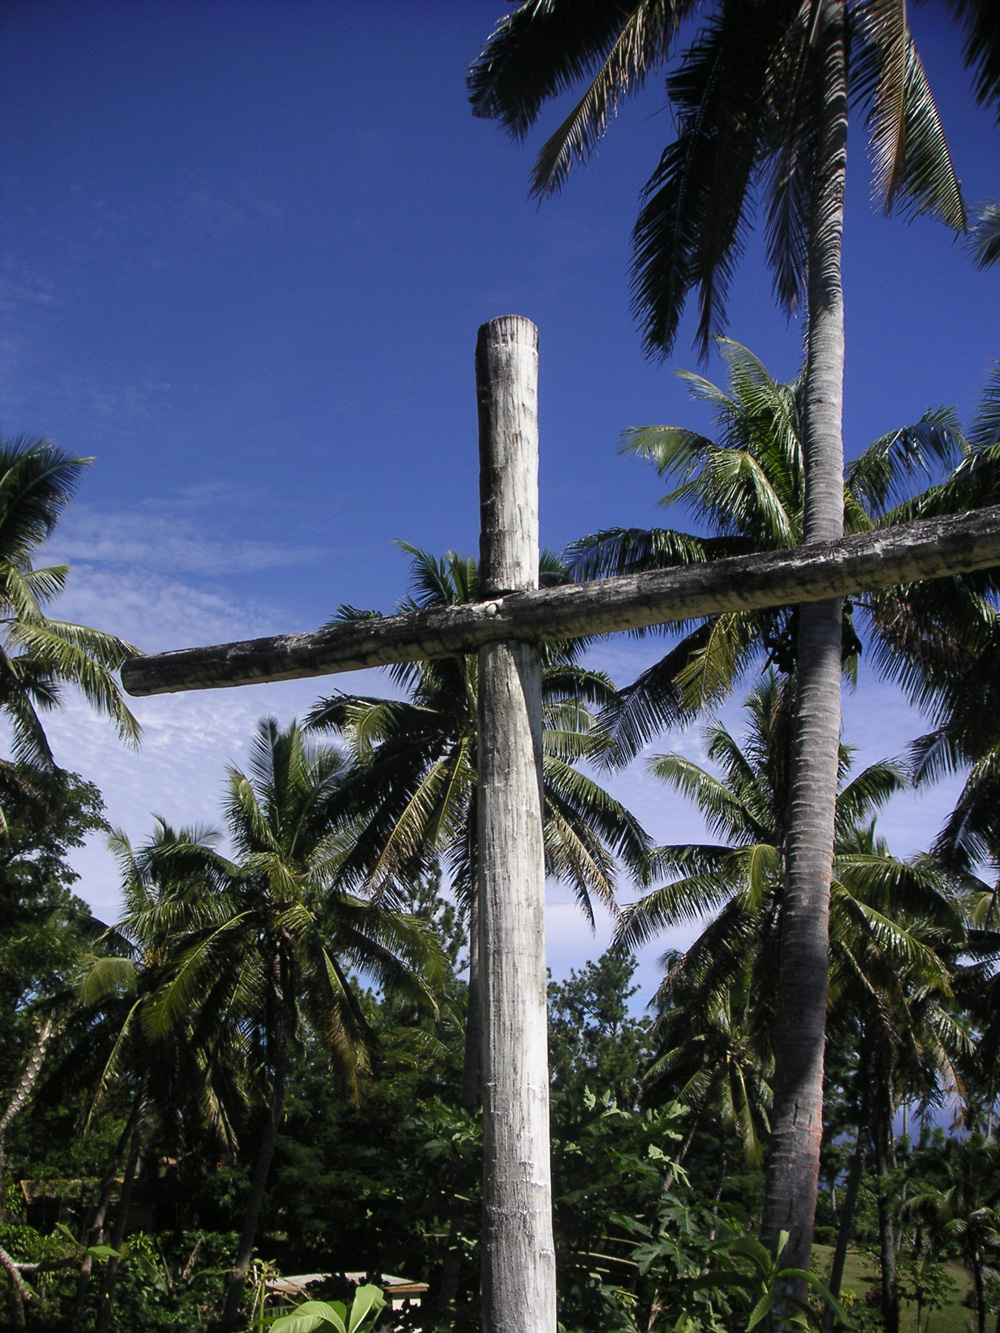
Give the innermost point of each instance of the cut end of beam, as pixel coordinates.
(509, 329)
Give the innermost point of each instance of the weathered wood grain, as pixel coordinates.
(519, 1269)
(931, 548)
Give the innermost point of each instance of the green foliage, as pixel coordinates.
(42, 925)
(323, 1316)
(924, 1280)
(763, 1283)
(608, 1169)
(39, 655)
(594, 1040)
(706, 1283)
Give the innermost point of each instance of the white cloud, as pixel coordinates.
(163, 536)
(159, 613)
(179, 770)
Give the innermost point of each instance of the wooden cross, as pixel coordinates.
(506, 627)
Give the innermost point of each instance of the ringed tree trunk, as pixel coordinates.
(882, 1137)
(800, 1025)
(847, 1207)
(22, 1095)
(103, 1321)
(265, 1153)
(980, 1288)
(95, 1225)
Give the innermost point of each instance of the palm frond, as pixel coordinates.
(868, 793)
(642, 42)
(37, 482)
(543, 49)
(982, 47)
(884, 472)
(718, 803)
(82, 657)
(985, 432)
(910, 154)
(635, 550)
(595, 817)
(984, 236)
(791, 138)
(690, 230)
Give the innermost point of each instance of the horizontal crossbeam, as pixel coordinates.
(928, 549)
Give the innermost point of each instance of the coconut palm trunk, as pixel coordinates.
(887, 1245)
(95, 1225)
(103, 1321)
(22, 1093)
(797, 1119)
(265, 1154)
(847, 1207)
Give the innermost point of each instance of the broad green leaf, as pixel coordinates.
(368, 1298)
(760, 1310)
(753, 1250)
(311, 1317)
(61, 1226)
(823, 1291)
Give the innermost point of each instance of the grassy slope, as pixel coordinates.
(861, 1274)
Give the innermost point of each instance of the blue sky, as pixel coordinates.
(244, 251)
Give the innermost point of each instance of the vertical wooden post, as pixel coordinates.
(519, 1293)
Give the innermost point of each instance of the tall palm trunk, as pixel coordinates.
(103, 1322)
(847, 1207)
(265, 1154)
(800, 1027)
(95, 1224)
(22, 1094)
(979, 1285)
(882, 1140)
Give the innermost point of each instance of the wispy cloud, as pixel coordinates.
(217, 211)
(179, 770)
(157, 612)
(214, 208)
(21, 285)
(165, 537)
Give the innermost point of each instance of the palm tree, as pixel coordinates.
(761, 102)
(888, 920)
(709, 1057)
(411, 793)
(38, 655)
(191, 1076)
(985, 236)
(269, 946)
(894, 1011)
(958, 1200)
(747, 485)
(954, 672)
